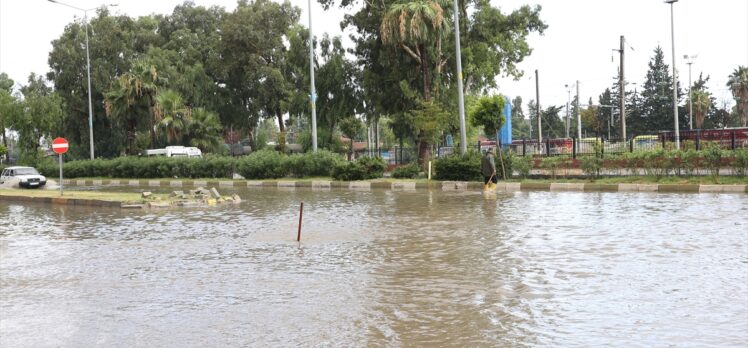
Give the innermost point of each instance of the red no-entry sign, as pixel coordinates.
(60, 145)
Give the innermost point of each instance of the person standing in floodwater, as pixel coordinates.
(488, 167)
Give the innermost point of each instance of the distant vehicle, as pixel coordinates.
(174, 151)
(27, 177)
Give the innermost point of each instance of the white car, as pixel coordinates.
(26, 177)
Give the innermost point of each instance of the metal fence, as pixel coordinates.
(728, 139)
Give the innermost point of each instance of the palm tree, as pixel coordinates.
(701, 102)
(738, 83)
(172, 115)
(414, 26)
(204, 130)
(134, 98)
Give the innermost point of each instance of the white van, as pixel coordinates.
(174, 151)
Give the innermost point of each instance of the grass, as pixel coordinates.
(128, 197)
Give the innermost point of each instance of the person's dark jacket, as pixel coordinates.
(488, 166)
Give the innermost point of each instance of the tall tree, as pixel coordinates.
(114, 42)
(253, 50)
(738, 83)
(701, 101)
(520, 125)
(9, 107)
(41, 116)
(657, 98)
(172, 115)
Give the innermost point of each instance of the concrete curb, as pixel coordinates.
(414, 186)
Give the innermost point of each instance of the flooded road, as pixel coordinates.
(381, 268)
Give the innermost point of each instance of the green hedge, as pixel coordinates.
(409, 171)
(265, 164)
(363, 168)
(468, 167)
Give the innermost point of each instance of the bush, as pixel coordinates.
(263, 164)
(407, 171)
(362, 169)
(591, 166)
(713, 159)
(552, 164)
(523, 165)
(459, 167)
(740, 164)
(318, 163)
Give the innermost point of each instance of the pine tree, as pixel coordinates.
(657, 97)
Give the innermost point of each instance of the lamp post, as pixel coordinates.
(689, 60)
(460, 97)
(675, 75)
(568, 101)
(88, 71)
(313, 95)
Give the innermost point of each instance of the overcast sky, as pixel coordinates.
(577, 45)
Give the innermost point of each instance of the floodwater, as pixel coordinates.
(381, 268)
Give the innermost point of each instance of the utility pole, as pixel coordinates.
(313, 95)
(537, 108)
(675, 76)
(568, 101)
(579, 117)
(623, 96)
(460, 97)
(690, 103)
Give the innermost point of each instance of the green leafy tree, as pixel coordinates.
(351, 127)
(738, 83)
(114, 42)
(520, 125)
(41, 116)
(9, 107)
(253, 49)
(339, 94)
(489, 114)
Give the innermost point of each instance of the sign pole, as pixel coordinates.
(60, 174)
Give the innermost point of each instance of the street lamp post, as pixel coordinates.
(313, 95)
(689, 60)
(88, 71)
(675, 75)
(460, 97)
(568, 101)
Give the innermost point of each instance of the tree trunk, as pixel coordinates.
(426, 71)
(282, 134)
(5, 142)
(424, 153)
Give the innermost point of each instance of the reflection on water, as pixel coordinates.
(381, 268)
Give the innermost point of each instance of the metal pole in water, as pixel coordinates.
(301, 214)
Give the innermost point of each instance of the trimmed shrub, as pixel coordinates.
(523, 165)
(362, 169)
(740, 164)
(459, 167)
(407, 171)
(320, 163)
(263, 164)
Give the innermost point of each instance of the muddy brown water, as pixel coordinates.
(381, 268)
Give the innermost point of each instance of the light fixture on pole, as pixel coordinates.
(675, 76)
(88, 70)
(689, 61)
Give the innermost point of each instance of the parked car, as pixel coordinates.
(27, 177)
